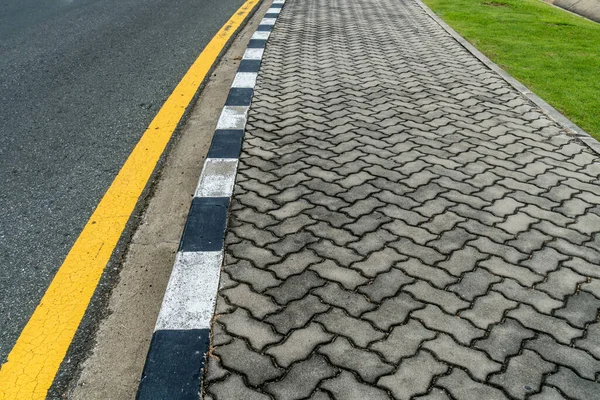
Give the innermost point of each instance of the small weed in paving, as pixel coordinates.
(554, 53)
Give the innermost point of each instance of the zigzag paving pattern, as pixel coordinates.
(404, 225)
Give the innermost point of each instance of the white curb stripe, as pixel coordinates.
(245, 80)
(191, 293)
(268, 21)
(261, 35)
(253, 54)
(233, 117)
(273, 10)
(218, 178)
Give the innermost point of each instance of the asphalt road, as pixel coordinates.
(80, 80)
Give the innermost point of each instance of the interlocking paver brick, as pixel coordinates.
(292, 243)
(393, 311)
(299, 344)
(529, 241)
(451, 240)
(584, 267)
(592, 286)
(504, 206)
(346, 386)
(479, 229)
(555, 327)
(354, 303)
(379, 262)
(260, 237)
(256, 332)
(523, 375)
(488, 309)
(301, 379)
(246, 250)
(340, 237)
(371, 242)
(385, 285)
(243, 296)
(259, 279)
(233, 387)
(450, 302)
(400, 228)
(296, 287)
(545, 260)
(403, 341)
(504, 340)
(548, 393)
(413, 376)
(550, 228)
(343, 256)
(436, 276)
(256, 367)
(358, 331)
(461, 386)
(319, 395)
(434, 318)
(580, 361)
(581, 308)
(536, 298)
(294, 264)
(435, 394)
(591, 341)
(297, 314)
(477, 362)
(367, 365)
(462, 260)
(560, 283)
(574, 386)
(474, 284)
(589, 254)
(443, 222)
(214, 371)
(404, 224)
(348, 278)
(508, 253)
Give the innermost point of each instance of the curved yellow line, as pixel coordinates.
(43, 343)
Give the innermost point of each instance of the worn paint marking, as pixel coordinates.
(43, 343)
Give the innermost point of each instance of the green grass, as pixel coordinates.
(554, 53)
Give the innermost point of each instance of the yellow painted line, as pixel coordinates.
(41, 347)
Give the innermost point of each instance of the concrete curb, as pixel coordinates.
(546, 108)
(175, 362)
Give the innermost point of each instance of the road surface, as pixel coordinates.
(80, 80)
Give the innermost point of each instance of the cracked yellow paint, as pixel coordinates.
(43, 343)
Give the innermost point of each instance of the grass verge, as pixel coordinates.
(552, 52)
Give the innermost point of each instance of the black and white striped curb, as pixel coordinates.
(175, 361)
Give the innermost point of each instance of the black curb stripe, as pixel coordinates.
(264, 28)
(249, 66)
(205, 226)
(174, 365)
(239, 97)
(276, 6)
(257, 44)
(271, 15)
(226, 143)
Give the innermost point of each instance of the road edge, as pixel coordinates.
(175, 362)
(571, 128)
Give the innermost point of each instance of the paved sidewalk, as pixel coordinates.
(404, 224)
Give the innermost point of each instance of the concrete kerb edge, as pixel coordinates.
(546, 108)
(174, 366)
